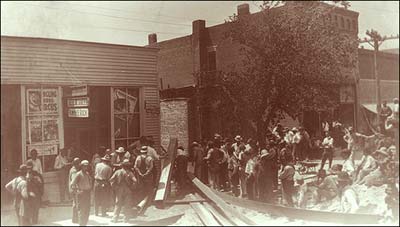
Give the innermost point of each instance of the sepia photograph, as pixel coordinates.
(200, 113)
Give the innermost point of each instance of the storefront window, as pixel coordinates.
(43, 117)
(126, 116)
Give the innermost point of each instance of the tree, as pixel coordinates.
(293, 59)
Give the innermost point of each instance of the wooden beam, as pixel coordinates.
(232, 214)
(302, 214)
(217, 215)
(184, 201)
(205, 216)
(164, 184)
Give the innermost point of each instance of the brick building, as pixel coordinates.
(207, 50)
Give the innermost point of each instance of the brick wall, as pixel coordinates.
(174, 121)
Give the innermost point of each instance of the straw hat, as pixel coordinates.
(24, 168)
(106, 158)
(143, 149)
(76, 161)
(126, 162)
(238, 138)
(120, 150)
(84, 163)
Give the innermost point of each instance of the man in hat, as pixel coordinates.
(181, 163)
(214, 158)
(117, 157)
(144, 170)
(198, 155)
(377, 176)
(366, 166)
(72, 173)
(224, 164)
(123, 182)
(12, 187)
(349, 202)
(236, 145)
(62, 166)
(286, 175)
(327, 188)
(35, 185)
(82, 185)
(266, 175)
(102, 188)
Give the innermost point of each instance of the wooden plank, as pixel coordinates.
(165, 178)
(217, 215)
(312, 215)
(205, 216)
(184, 201)
(162, 221)
(236, 217)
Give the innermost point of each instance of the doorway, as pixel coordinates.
(85, 139)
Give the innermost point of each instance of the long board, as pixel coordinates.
(302, 214)
(165, 178)
(232, 214)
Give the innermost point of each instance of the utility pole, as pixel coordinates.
(375, 41)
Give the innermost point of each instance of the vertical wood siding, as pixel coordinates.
(152, 120)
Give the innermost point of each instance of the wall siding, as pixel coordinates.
(152, 120)
(47, 61)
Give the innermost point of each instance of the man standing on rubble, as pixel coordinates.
(123, 182)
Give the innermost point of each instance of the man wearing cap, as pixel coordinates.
(236, 145)
(82, 185)
(123, 182)
(72, 174)
(62, 166)
(144, 170)
(102, 188)
(35, 185)
(349, 202)
(12, 187)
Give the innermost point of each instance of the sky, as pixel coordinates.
(129, 22)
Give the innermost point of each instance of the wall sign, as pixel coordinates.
(47, 149)
(78, 102)
(80, 90)
(78, 112)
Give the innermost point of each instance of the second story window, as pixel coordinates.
(211, 58)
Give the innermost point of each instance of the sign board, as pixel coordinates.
(78, 102)
(44, 149)
(78, 112)
(152, 107)
(80, 90)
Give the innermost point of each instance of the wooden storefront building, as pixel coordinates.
(58, 93)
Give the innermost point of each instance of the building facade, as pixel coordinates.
(59, 94)
(208, 50)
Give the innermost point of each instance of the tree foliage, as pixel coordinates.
(293, 58)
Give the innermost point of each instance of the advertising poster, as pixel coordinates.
(48, 149)
(50, 130)
(50, 100)
(35, 131)
(120, 98)
(34, 101)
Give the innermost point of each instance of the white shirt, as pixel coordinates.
(289, 137)
(328, 142)
(297, 137)
(60, 162)
(250, 166)
(348, 201)
(37, 165)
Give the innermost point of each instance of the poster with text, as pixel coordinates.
(50, 130)
(33, 101)
(35, 131)
(50, 100)
(48, 149)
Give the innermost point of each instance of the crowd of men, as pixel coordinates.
(253, 169)
(119, 180)
(257, 170)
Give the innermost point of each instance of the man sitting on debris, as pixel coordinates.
(349, 202)
(367, 165)
(327, 188)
